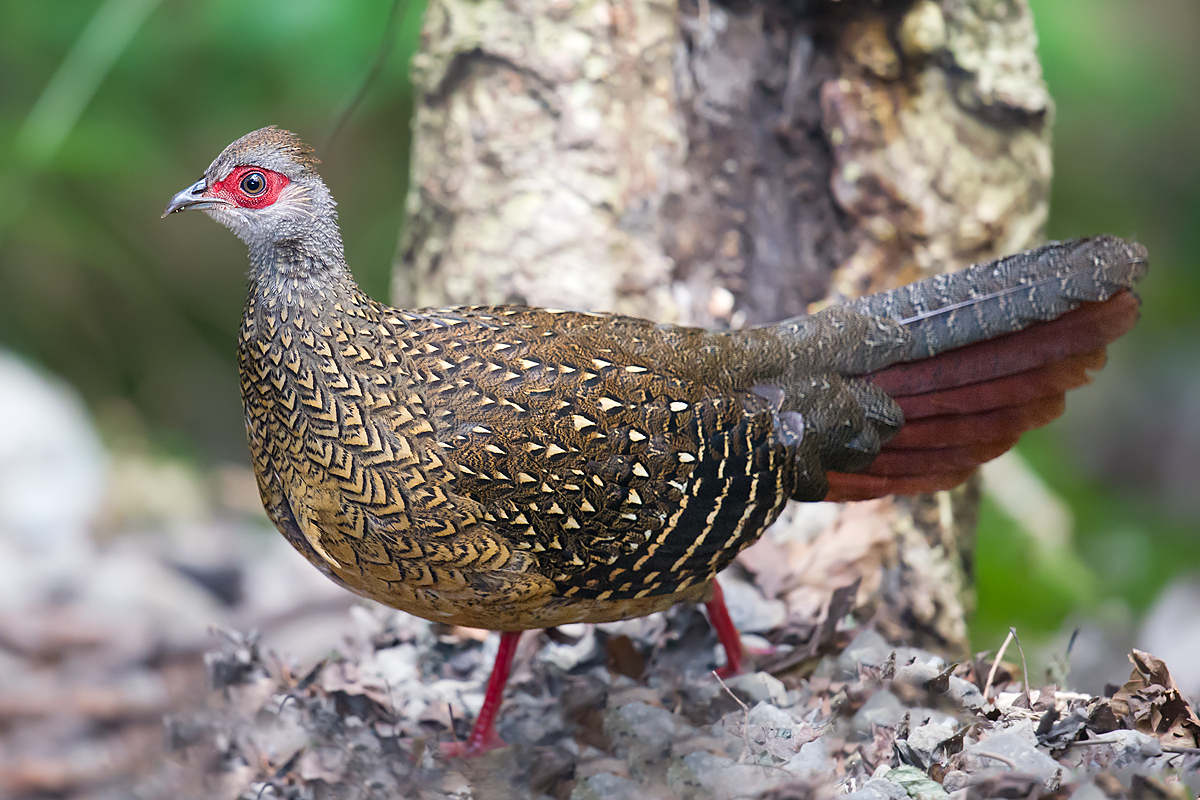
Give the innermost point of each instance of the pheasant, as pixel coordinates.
(512, 468)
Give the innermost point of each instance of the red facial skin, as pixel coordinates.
(231, 188)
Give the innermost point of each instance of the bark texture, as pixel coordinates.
(734, 163)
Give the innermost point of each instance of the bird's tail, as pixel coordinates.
(989, 300)
(990, 353)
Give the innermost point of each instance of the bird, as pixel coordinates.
(513, 468)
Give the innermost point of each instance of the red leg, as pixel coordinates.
(483, 735)
(718, 617)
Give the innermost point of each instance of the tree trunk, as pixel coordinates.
(733, 163)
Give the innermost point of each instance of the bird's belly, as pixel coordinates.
(524, 603)
(446, 590)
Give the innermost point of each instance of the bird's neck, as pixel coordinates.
(296, 284)
(293, 270)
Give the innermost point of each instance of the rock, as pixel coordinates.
(758, 686)
(867, 648)
(955, 779)
(1132, 748)
(398, 665)
(906, 656)
(52, 465)
(607, 786)
(704, 776)
(813, 758)
(923, 29)
(772, 717)
(643, 734)
(925, 739)
(882, 709)
(964, 693)
(1015, 747)
(1171, 631)
(917, 667)
(879, 789)
(52, 475)
(750, 611)
(129, 584)
(1089, 791)
(566, 656)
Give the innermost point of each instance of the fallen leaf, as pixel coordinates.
(1152, 701)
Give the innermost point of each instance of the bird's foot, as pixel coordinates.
(473, 746)
(483, 735)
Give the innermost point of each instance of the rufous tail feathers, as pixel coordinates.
(967, 405)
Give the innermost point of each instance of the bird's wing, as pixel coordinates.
(584, 449)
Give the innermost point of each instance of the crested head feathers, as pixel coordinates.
(270, 147)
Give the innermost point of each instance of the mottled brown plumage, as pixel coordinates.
(513, 468)
(504, 468)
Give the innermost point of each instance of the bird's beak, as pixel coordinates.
(194, 197)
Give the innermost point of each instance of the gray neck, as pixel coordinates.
(302, 252)
(299, 260)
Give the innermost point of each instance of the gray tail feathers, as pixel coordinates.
(1009, 294)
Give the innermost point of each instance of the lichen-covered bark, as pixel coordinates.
(727, 163)
(547, 142)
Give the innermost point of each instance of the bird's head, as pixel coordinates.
(265, 188)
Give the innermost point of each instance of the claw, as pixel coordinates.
(472, 748)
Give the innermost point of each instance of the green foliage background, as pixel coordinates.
(1126, 457)
(139, 313)
(108, 107)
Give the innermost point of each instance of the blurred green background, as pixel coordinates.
(109, 107)
(141, 314)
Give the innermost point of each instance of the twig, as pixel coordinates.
(729, 691)
(1180, 749)
(1166, 748)
(390, 32)
(1003, 759)
(996, 663)
(1024, 667)
(453, 732)
(745, 713)
(283, 703)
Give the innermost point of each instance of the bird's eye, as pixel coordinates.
(253, 184)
